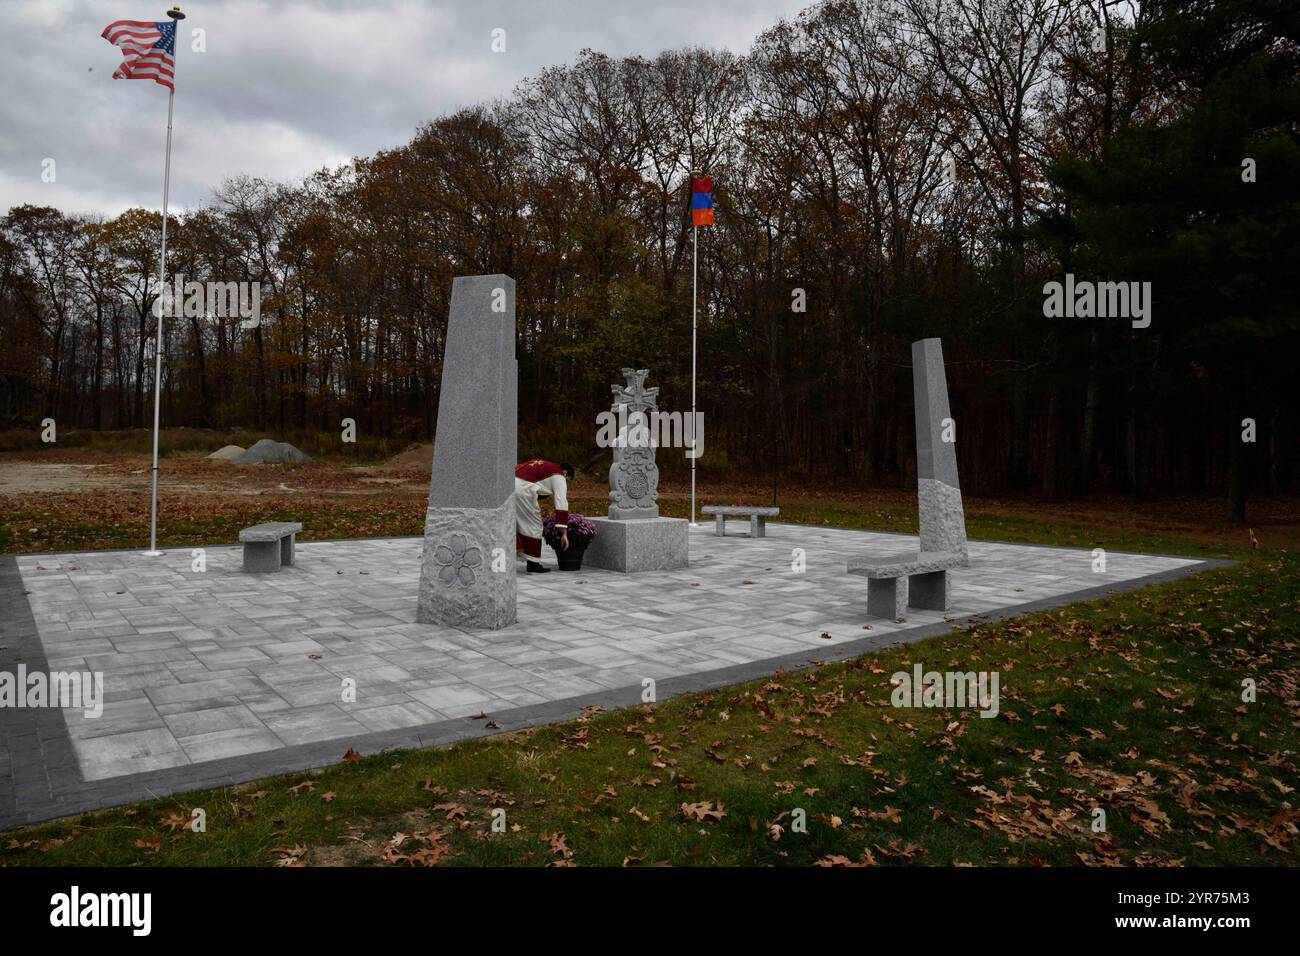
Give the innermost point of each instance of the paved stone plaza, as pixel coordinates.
(219, 676)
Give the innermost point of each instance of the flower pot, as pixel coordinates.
(571, 560)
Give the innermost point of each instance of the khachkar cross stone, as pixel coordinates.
(634, 477)
(467, 574)
(635, 537)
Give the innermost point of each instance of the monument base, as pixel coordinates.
(462, 582)
(943, 520)
(642, 544)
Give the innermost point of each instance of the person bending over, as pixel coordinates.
(534, 479)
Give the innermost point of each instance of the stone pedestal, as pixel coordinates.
(459, 586)
(639, 544)
(467, 574)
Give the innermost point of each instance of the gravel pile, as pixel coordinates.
(265, 452)
(229, 453)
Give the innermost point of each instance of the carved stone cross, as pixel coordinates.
(634, 395)
(634, 477)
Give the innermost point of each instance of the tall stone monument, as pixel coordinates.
(635, 537)
(896, 582)
(938, 491)
(467, 574)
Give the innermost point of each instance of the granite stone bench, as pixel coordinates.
(269, 547)
(757, 518)
(896, 582)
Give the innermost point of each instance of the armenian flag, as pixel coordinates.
(701, 201)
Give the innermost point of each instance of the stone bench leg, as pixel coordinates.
(757, 526)
(930, 591)
(719, 526)
(887, 597)
(261, 556)
(286, 551)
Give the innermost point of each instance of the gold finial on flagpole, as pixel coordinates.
(175, 13)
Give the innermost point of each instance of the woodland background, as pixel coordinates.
(1120, 160)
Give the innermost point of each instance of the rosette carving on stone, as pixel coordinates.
(638, 486)
(459, 559)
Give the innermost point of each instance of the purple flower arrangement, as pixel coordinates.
(579, 528)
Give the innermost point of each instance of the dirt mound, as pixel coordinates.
(415, 458)
(229, 453)
(265, 451)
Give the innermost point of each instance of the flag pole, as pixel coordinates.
(695, 271)
(153, 552)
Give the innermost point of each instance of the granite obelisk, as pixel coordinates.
(938, 490)
(467, 574)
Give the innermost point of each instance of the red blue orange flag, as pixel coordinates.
(701, 201)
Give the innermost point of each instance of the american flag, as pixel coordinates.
(150, 50)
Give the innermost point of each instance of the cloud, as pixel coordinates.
(285, 88)
(16, 192)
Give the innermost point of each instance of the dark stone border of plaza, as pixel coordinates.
(40, 778)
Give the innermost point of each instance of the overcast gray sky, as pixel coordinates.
(288, 86)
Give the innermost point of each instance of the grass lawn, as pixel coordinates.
(1132, 705)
